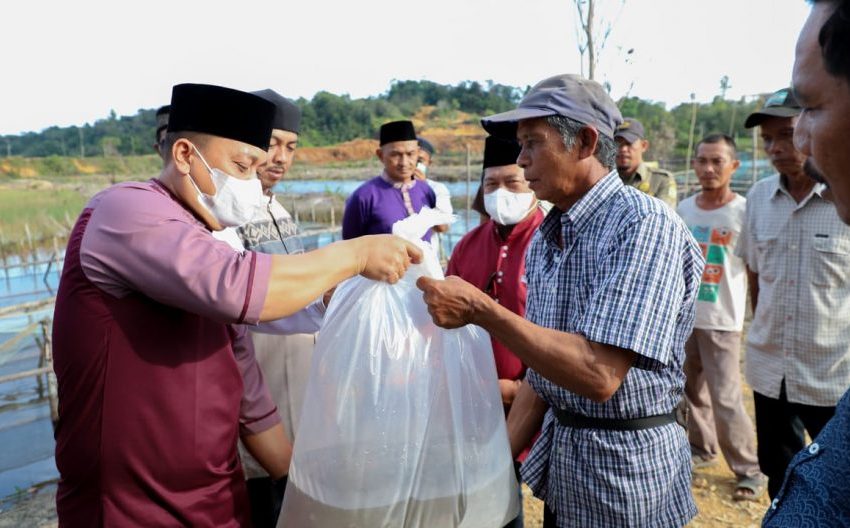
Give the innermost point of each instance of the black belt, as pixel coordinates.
(578, 421)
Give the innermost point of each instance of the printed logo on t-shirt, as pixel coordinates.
(715, 244)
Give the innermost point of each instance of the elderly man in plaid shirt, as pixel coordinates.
(612, 279)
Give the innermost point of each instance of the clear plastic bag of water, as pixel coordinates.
(403, 424)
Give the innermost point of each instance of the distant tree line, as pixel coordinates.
(668, 130)
(330, 119)
(112, 136)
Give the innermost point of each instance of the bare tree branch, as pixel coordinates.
(592, 33)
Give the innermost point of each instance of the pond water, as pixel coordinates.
(26, 430)
(458, 189)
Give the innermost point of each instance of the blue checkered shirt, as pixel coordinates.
(627, 276)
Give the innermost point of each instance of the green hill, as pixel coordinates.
(123, 145)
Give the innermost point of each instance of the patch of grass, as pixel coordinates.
(45, 212)
(63, 166)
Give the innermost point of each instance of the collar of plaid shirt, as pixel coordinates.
(580, 214)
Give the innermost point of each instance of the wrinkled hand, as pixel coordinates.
(385, 257)
(453, 302)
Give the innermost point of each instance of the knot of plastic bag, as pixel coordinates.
(414, 227)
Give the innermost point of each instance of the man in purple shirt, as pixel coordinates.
(156, 383)
(376, 205)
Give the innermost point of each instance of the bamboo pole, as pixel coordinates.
(732, 121)
(468, 183)
(25, 374)
(14, 340)
(690, 145)
(41, 364)
(25, 264)
(52, 384)
(3, 255)
(755, 154)
(26, 307)
(30, 245)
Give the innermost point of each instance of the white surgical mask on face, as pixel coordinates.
(421, 167)
(235, 201)
(506, 207)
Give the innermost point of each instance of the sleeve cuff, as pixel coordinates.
(262, 424)
(318, 307)
(645, 360)
(258, 288)
(533, 379)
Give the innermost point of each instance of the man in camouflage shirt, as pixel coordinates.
(632, 143)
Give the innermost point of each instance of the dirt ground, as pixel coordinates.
(712, 489)
(31, 508)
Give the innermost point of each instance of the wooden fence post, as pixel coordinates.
(468, 183)
(5, 262)
(47, 360)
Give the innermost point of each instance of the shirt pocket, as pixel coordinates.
(768, 258)
(831, 261)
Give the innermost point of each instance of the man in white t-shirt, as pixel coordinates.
(718, 421)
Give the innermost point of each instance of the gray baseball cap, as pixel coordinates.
(631, 130)
(567, 95)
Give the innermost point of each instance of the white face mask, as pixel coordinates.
(506, 207)
(421, 167)
(235, 201)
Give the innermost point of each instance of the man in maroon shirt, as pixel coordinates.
(492, 256)
(155, 382)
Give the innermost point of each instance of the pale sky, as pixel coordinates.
(71, 62)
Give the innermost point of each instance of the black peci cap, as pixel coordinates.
(287, 115)
(222, 112)
(499, 152)
(397, 131)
